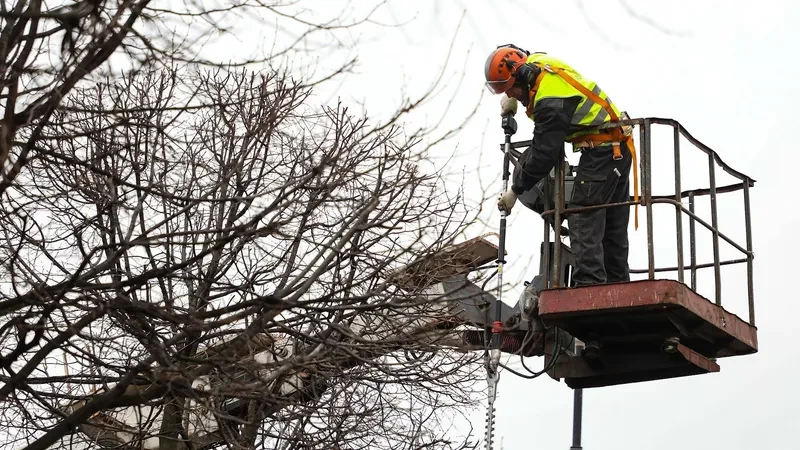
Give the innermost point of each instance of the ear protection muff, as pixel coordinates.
(524, 74)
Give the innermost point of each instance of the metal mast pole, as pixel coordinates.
(577, 409)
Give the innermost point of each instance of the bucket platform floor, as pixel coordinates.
(641, 331)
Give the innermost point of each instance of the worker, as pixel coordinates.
(566, 107)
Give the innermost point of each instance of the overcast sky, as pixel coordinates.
(727, 71)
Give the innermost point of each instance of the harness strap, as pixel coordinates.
(591, 95)
(533, 90)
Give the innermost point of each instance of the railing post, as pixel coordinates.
(715, 225)
(647, 193)
(559, 207)
(678, 213)
(692, 244)
(546, 256)
(749, 237)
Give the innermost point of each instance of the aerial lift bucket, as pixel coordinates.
(648, 329)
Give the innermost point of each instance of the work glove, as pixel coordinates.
(507, 201)
(508, 105)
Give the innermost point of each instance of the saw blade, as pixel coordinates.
(489, 427)
(492, 382)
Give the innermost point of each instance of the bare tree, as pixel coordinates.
(200, 256)
(156, 248)
(48, 50)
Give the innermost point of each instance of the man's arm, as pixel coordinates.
(553, 117)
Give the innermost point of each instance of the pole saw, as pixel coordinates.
(509, 125)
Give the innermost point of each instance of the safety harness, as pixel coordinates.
(615, 135)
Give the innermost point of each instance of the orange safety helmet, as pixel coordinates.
(501, 65)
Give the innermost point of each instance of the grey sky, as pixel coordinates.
(727, 72)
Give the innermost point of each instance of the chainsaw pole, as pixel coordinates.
(509, 128)
(493, 362)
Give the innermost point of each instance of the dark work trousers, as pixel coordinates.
(599, 238)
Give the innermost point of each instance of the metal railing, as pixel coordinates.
(553, 266)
